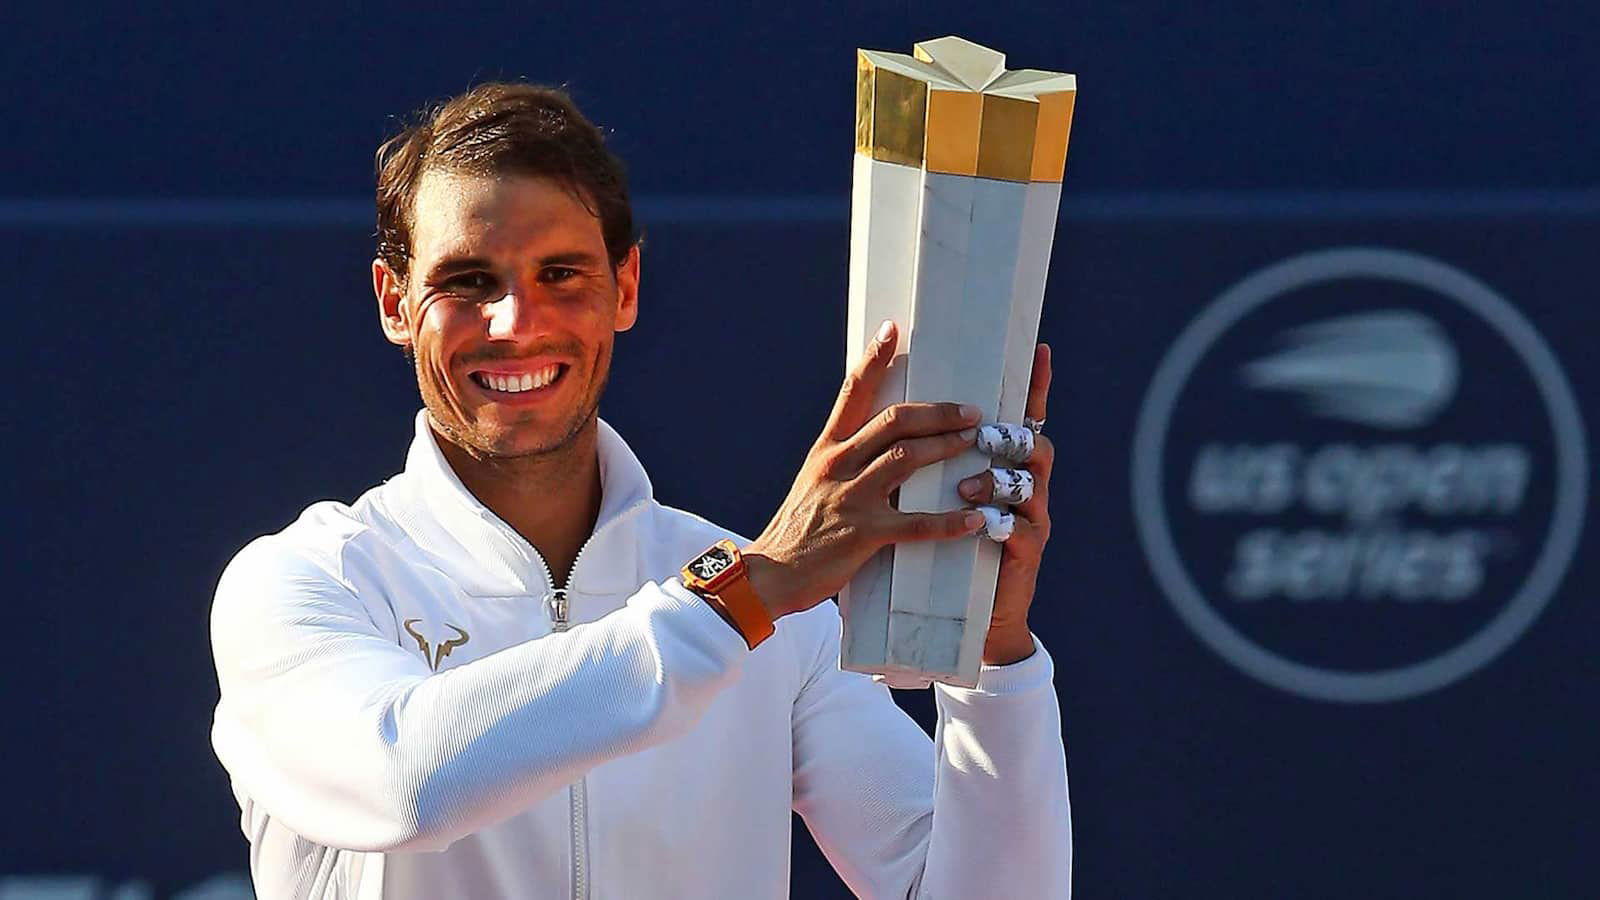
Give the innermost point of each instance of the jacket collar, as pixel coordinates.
(487, 557)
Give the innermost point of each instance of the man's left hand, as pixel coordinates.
(1009, 638)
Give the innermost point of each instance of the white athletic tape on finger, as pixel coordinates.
(1012, 486)
(997, 524)
(1013, 443)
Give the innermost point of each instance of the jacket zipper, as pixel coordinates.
(560, 608)
(577, 793)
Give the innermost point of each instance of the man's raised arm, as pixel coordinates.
(982, 812)
(986, 812)
(351, 742)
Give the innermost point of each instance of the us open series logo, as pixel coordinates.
(1359, 475)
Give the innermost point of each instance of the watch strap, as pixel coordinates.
(739, 604)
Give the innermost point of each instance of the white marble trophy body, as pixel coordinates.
(957, 180)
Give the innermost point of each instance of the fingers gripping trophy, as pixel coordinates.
(957, 180)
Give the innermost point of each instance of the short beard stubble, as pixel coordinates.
(599, 377)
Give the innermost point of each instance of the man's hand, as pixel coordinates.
(1009, 638)
(838, 514)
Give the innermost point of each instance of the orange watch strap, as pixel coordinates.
(738, 599)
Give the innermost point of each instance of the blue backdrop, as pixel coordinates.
(185, 213)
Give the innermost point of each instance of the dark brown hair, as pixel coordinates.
(502, 128)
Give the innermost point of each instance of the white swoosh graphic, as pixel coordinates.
(1393, 369)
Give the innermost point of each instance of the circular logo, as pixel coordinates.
(1359, 475)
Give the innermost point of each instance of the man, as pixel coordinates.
(487, 677)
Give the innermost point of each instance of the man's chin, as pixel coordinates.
(503, 441)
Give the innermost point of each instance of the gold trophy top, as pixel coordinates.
(953, 108)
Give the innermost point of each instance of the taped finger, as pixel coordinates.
(1013, 443)
(997, 524)
(1012, 486)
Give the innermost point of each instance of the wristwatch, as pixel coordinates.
(720, 576)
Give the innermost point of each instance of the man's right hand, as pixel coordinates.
(838, 512)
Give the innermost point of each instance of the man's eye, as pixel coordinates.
(469, 282)
(556, 274)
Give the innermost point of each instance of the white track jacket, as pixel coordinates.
(411, 710)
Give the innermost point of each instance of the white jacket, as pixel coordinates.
(643, 752)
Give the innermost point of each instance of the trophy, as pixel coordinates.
(957, 180)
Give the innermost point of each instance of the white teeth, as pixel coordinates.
(516, 384)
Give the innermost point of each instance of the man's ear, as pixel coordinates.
(392, 308)
(628, 290)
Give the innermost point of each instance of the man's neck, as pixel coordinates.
(551, 499)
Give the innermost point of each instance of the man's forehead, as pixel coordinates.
(458, 212)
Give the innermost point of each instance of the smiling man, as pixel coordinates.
(509, 672)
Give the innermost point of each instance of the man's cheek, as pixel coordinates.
(430, 321)
(421, 308)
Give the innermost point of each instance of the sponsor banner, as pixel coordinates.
(1359, 479)
(1359, 474)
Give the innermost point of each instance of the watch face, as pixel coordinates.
(711, 563)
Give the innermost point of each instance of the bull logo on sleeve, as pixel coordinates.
(433, 657)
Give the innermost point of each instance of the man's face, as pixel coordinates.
(510, 307)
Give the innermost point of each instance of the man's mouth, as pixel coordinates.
(517, 382)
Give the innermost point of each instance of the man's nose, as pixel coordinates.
(515, 315)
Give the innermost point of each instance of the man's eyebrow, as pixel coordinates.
(450, 265)
(574, 258)
(453, 264)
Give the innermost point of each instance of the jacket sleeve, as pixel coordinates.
(353, 743)
(982, 812)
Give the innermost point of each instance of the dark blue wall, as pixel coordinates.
(185, 222)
